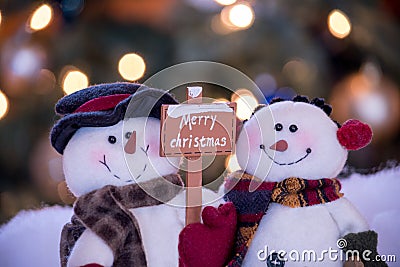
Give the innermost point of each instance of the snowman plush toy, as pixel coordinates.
(290, 211)
(109, 139)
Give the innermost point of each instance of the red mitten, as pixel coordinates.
(92, 265)
(209, 244)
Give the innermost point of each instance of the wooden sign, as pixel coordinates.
(198, 129)
(193, 130)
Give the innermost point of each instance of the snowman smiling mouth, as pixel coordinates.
(281, 146)
(104, 162)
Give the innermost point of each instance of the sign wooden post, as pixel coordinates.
(194, 178)
(192, 130)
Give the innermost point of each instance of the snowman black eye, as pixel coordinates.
(112, 139)
(128, 135)
(293, 128)
(278, 127)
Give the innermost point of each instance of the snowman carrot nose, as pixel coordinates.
(130, 146)
(280, 146)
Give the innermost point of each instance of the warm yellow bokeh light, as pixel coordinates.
(3, 105)
(241, 16)
(221, 100)
(219, 26)
(246, 103)
(74, 80)
(41, 17)
(0, 17)
(240, 92)
(225, 2)
(131, 67)
(339, 24)
(231, 163)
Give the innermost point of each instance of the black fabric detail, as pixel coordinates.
(301, 98)
(259, 107)
(146, 102)
(70, 103)
(276, 100)
(361, 242)
(320, 102)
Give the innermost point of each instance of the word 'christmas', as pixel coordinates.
(190, 121)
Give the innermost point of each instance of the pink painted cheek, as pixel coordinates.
(154, 145)
(153, 150)
(93, 156)
(303, 140)
(254, 139)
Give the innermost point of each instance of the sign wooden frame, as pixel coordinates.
(225, 127)
(216, 134)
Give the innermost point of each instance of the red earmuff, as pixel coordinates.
(354, 135)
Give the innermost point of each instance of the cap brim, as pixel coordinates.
(144, 103)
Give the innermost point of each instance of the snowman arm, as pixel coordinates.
(90, 248)
(347, 217)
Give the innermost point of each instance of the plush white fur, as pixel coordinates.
(85, 159)
(159, 225)
(35, 234)
(88, 146)
(310, 228)
(376, 196)
(38, 238)
(32, 238)
(90, 248)
(315, 131)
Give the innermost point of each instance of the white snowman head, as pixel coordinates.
(297, 139)
(96, 156)
(101, 146)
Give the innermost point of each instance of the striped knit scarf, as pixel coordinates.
(106, 212)
(251, 206)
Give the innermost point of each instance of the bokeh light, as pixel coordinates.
(72, 7)
(131, 67)
(241, 16)
(237, 17)
(232, 163)
(266, 82)
(339, 24)
(221, 25)
(3, 105)
(299, 72)
(0, 17)
(372, 107)
(372, 99)
(26, 63)
(74, 80)
(225, 2)
(246, 103)
(46, 81)
(41, 17)
(66, 196)
(221, 100)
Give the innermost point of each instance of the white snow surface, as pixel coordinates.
(376, 197)
(32, 237)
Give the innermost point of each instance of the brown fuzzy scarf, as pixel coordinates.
(106, 213)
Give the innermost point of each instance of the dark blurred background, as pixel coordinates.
(345, 51)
